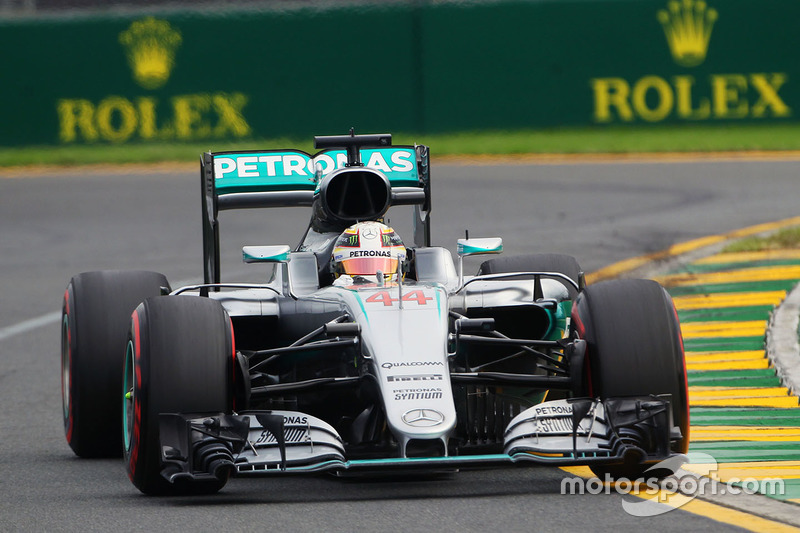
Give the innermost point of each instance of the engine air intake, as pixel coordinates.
(354, 194)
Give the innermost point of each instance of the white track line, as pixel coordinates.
(52, 318)
(28, 325)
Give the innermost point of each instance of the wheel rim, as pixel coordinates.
(65, 367)
(128, 393)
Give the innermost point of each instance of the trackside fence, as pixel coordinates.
(421, 66)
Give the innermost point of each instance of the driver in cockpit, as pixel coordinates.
(367, 252)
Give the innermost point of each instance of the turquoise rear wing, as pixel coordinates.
(286, 178)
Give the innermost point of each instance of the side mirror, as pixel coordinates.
(490, 245)
(266, 254)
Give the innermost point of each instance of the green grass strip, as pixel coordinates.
(744, 421)
(726, 314)
(728, 267)
(723, 344)
(762, 377)
(749, 286)
(605, 139)
(735, 382)
(750, 411)
(754, 373)
(781, 239)
(741, 456)
(791, 490)
(740, 451)
(744, 416)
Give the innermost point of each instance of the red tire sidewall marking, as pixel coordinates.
(685, 377)
(137, 398)
(69, 421)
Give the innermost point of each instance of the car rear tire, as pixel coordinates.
(96, 314)
(634, 348)
(561, 263)
(179, 359)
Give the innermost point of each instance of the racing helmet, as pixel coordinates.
(367, 247)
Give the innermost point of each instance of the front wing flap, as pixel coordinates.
(580, 431)
(632, 430)
(218, 445)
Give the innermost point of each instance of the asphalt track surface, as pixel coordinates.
(55, 224)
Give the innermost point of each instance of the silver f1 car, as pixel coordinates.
(424, 368)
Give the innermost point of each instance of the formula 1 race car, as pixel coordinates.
(362, 354)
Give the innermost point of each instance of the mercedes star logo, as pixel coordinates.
(423, 418)
(369, 232)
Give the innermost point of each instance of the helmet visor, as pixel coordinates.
(368, 266)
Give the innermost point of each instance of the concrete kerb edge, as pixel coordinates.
(783, 348)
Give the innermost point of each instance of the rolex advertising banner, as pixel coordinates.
(417, 67)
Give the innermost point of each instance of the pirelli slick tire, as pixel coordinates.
(634, 348)
(179, 359)
(561, 263)
(96, 314)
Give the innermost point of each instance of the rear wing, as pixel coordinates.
(286, 178)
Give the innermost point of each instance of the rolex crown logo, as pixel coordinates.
(687, 25)
(150, 45)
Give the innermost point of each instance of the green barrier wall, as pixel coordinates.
(418, 67)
